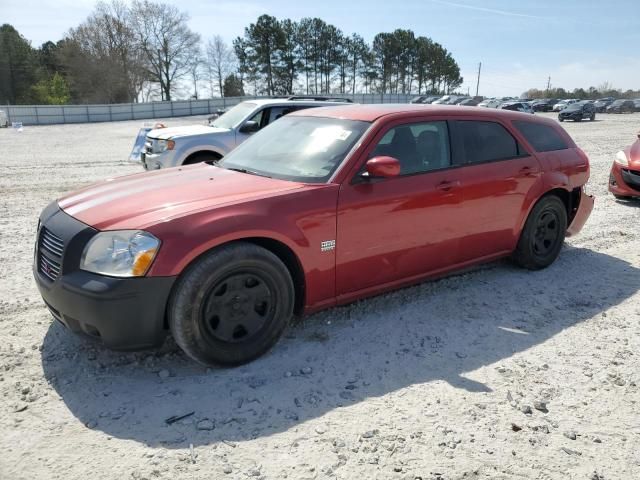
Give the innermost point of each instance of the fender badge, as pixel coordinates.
(327, 245)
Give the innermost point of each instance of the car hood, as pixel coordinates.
(188, 130)
(144, 199)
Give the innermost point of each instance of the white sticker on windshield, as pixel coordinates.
(331, 133)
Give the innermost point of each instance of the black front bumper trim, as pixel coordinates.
(124, 313)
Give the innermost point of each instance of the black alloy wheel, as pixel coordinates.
(238, 307)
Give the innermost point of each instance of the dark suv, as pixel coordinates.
(578, 112)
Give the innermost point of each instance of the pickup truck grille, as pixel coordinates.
(50, 250)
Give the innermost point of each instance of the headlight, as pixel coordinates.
(621, 159)
(164, 145)
(124, 253)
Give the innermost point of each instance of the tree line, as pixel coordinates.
(141, 50)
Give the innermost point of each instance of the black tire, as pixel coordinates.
(561, 119)
(202, 157)
(232, 305)
(592, 117)
(543, 234)
(577, 119)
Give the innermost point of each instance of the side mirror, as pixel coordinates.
(382, 167)
(249, 127)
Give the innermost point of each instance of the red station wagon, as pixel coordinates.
(321, 208)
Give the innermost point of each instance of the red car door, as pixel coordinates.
(399, 228)
(499, 179)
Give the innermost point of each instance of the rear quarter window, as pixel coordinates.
(487, 141)
(542, 137)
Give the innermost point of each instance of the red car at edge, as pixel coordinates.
(323, 207)
(624, 179)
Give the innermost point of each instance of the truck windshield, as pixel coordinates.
(301, 149)
(234, 116)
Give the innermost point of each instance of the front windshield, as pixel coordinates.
(301, 149)
(234, 116)
(574, 106)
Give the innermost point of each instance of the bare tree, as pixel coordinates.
(102, 56)
(169, 46)
(195, 69)
(221, 62)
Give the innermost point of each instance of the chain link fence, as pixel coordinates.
(54, 114)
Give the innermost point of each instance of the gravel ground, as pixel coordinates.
(497, 373)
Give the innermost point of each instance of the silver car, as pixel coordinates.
(171, 147)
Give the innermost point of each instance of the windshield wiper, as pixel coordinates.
(244, 170)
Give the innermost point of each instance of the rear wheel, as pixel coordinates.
(543, 234)
(232, 305)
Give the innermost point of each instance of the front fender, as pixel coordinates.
(300, 220)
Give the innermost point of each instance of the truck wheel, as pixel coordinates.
(232, 305)
(202, 157)
(543, 234)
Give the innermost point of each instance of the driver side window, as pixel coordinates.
(258, 117)
(419, 147)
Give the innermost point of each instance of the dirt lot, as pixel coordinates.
(448, 379)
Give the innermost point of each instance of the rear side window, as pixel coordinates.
(543, 137)
(487, 142)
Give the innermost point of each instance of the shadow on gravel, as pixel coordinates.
(629, 202)
(436, 331)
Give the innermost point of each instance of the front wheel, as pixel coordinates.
(232, 305)
(592, 117)
(543, 234)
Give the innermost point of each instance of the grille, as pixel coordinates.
(50, 249)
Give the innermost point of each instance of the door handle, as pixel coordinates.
(448, 185)
(526, 171)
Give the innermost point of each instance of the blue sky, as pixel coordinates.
(579, 43)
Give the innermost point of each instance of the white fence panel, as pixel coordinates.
(52, 114)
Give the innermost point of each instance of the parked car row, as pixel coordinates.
(601, 105)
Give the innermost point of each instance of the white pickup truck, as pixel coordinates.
(171, 147)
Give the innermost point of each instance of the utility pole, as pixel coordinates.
(478, 82)
(548, 84)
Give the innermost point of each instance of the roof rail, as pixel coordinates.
(319, 98)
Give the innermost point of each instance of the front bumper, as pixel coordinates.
(123, 313)
(156, 161)
(624, 182)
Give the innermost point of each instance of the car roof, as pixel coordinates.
(283, 101)
(372, 112)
